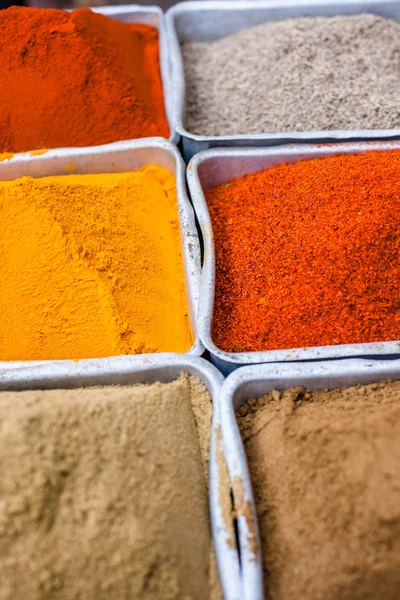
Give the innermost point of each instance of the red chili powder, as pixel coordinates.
(308, 254)
(77, 79)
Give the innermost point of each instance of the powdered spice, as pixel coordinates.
(311, 73)
(103, 494)
(77, 79)
(308, 254)
(91, 266)
(326, 478)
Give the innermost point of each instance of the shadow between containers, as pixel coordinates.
(116, 158)
(213, 167)
(199, 21)
(254, 382)
(128, 370)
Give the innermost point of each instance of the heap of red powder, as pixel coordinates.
(308, 254)
(77, 79)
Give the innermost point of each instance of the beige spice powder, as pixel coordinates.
(304, 74)
(325, 468)
(103, 494)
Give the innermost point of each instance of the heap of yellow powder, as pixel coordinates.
(91, 266)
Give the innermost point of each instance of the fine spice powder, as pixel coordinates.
(77, 79)
(303, 74)
(104, 494)
(308, 254)
(326, 478)
(91, 266)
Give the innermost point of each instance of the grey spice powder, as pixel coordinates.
(296, 75)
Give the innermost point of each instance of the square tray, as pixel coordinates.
(212, 20)
(129, 370)
(212, 167)
(254, 382)
(114, 158)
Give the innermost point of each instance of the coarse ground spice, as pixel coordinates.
(77, 79)
(91, 266)
(103, 493)
(296, 75)
(308, 254)
(325, 468)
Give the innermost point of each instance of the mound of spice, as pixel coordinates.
(326, 479)
(77, 79)
(296, 75)
(91, 266)
(103, 493)
(308, 254)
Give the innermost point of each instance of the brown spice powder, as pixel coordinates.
(103, 494)
(325, 468)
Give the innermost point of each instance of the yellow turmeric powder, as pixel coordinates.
(91, 266)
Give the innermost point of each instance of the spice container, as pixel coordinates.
(213, 167)
(128, 370)
(116, 158)
(199, 22)
(253, 382)
(131, 14)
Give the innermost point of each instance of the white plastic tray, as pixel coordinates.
(127, 370)
(253, 382)
(120, 157)
(212, 167)
(209, 21)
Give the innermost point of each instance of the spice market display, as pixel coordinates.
(119, 479)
